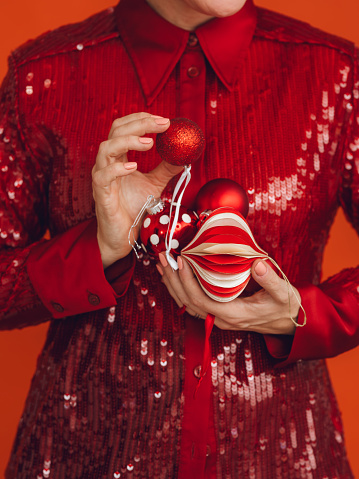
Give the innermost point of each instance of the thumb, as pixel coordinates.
(163, 173)
(266, 277)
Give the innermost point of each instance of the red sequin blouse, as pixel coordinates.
(112, 395)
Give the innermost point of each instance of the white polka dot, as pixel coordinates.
(174, 244)
(164, 220)
(186, 218)
(147, 222)
(154, 239)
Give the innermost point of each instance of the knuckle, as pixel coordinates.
(116, 132)
(196, 302)
(126, 143)
(186, 301)
(95, 179)
(116, 123)
(282, 293)
(102, 147)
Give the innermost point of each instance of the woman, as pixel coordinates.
(113, 393)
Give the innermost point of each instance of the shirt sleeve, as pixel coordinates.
(43, 279)
(332, 308)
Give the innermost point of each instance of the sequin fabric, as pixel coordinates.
(111, 396)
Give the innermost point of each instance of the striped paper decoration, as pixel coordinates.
(221, 254)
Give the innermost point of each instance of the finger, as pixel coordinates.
(189, 310)
(171, 291)
(127, 119)
(116, 149)
(172, 278)
(266, 277)
(105, 176)
(163, 269)
(197, 297)
(141, 127)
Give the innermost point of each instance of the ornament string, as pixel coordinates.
(132, 241)
(183, 181)
(290, 287)
(209, 323)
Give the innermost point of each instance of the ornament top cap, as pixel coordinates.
(156, 206)
(182, 143)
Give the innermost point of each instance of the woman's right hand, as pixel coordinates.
(120, 190)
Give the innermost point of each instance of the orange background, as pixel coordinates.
(23, 19)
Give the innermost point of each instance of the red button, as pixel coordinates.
(208, 450)
(192, 40)
(193, 72)
(197, 371)
(93, 299)
(57, 307)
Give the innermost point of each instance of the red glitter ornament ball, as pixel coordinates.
(222, 192)
(182, 144)
(155, 226)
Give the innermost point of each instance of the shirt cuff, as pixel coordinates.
(119, 274)
(67, 273)
(332, 326)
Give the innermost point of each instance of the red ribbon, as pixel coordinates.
(208, 324)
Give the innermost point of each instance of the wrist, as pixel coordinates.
(110, 255)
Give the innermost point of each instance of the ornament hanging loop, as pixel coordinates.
(131, 234)
(183, 180)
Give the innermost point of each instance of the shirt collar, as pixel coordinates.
(155, 45)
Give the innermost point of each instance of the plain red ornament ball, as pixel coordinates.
(182, 144)
(154, 229)
(222, 192)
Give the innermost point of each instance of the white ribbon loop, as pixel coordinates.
(183, 180)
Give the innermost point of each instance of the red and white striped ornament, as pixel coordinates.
(222, 253)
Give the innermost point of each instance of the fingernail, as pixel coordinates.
(260, 268)
(131, 165)
(161, 121)
(180, 262)
(145, 140)
(159, 269)
(163, 260)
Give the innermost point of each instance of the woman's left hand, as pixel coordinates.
(265, 312)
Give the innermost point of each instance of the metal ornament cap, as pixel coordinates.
(156, 206)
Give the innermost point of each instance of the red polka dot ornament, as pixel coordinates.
(154, 231)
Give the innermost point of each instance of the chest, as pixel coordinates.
(277, 133)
